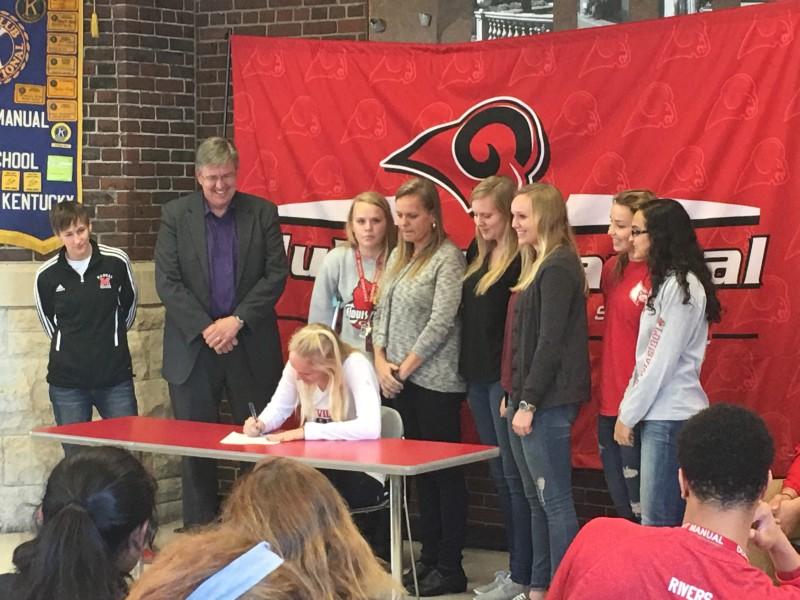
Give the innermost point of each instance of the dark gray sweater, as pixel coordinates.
(550, 342)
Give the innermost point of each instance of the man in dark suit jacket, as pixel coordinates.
(220, 269)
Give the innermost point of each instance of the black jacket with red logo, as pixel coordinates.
(87, 318)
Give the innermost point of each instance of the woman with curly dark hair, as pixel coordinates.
(665, 389)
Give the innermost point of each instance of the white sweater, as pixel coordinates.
(363, 420)
(669, 353)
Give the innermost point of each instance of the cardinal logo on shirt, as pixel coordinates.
(105, 281)
(359, 309)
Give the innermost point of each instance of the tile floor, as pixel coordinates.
(479, 565)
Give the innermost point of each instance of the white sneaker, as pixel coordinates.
(508, 590)
(522, 596)
(499, 577)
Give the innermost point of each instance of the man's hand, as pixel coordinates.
(786, 512)
(503, 406)
(288, 436)
(623, 434)
(522, 423)
(221, 334)
(767, 535)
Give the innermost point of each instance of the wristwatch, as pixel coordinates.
(531, 408)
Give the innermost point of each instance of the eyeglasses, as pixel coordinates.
(636, 232)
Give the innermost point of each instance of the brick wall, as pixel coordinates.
(139, 96)
(329, 19)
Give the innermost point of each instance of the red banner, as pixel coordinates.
(699, 108)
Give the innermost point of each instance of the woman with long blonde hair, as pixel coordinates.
(347, 282)
(334, 387)
(314, 549)
(550, 371)
(417, 339)
(494, 267)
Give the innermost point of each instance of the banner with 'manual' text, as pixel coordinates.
(702, 108)
(41, 53)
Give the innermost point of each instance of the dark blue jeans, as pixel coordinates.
(545, 464)
(621, 466)
(484, 401)
(662, 505)
(72, 405)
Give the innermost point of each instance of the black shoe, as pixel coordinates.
(437, 583)
(422, 572)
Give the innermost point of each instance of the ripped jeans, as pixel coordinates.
(545, 464)
(621, 466)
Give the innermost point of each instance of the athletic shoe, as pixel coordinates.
(499, 577)
(505, 591)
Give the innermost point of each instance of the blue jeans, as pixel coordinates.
(662, 505)
(72, 405)
(621, 466)
(545, 464)
(484, 401)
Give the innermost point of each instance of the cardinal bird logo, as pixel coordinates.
(498, 136)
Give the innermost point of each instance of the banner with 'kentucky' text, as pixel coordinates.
(41, 53)
(702, 108)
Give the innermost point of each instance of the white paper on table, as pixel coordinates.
(234, 438)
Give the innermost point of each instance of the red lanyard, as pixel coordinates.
(715, 538)
(362, 280)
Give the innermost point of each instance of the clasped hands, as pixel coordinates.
(221, 334)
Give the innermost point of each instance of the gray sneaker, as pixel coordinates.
(499, 577)
(508, 590)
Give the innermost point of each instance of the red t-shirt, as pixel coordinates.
(614, 559)
(793, 476)
(625, 298)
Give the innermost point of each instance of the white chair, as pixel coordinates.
(391, 427)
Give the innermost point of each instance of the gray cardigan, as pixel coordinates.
(549, 340)
(419, 314)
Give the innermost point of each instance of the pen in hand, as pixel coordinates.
(254, 414)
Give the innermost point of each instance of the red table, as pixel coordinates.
(395, 458)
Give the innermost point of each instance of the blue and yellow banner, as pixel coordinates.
(41, 49)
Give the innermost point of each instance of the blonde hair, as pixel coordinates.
(501, 191)
(429, 197)
(632, 200)
(320, 345)
(298, 512)
(552, 231)
(378, 200)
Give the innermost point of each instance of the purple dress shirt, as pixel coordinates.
(221, 244)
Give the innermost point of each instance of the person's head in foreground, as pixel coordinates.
(293, 508)
(725, 453)
(97, 515)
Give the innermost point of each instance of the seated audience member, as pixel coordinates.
(336, 389)
(295, 510)
(786, 503)
(724, 453)
(96, 518)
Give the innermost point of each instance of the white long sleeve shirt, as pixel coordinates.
(665, 385)
(363, 420)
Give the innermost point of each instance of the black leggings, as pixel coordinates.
(436, 416)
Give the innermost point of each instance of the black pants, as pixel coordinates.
(431, 415)
(197, 399)
(359, 490)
